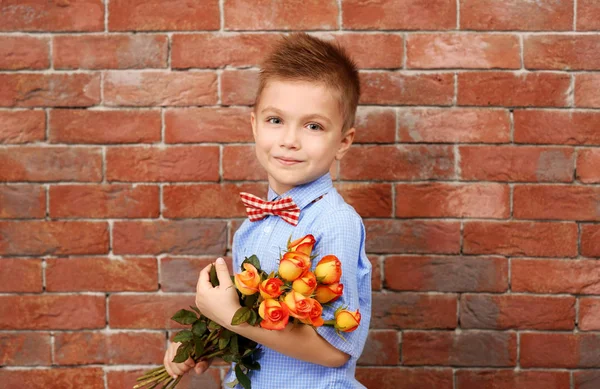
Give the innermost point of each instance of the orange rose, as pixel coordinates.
(247, 281)
(303, 245)
(346, 321)
(293, 265)
(328, 293)
(328, 270)
(299, 305)
(270, 288)
(314, 316)
(274, 314)
(306, 284)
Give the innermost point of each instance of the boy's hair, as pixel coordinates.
(302, 57)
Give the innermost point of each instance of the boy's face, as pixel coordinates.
(297, 128)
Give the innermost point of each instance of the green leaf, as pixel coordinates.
(223, 342)
(253, 318)
(199, 346)
(242, 377)
(233, 344)
(199, 328)
(214, 280)
(212, 326)
(241, 316)
(183, 353)
(195, 309)
(183, 336)
(249, 301)
(253, 260)
(183, 316)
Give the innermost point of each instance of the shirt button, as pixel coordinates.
(267, 230)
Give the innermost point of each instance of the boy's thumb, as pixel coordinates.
(222, 272)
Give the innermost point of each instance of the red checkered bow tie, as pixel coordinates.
(258, 209)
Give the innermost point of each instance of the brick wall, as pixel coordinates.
(125, 139)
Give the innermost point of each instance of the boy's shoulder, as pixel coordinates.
(334, 208)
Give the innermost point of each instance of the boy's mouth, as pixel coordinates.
(286, 161)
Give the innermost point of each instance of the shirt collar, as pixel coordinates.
(304, 194)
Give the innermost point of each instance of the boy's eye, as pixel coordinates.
(315, 127)
(274, 120)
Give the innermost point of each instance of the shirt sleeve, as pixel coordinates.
(342, 233)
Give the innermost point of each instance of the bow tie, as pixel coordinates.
(258, 209)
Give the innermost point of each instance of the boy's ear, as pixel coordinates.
(347, 139)
(253, 123)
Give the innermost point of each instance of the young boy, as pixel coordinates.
(302, 121)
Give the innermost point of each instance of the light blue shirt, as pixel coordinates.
(338, 230)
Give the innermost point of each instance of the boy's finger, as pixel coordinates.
(223, 273)
(204, 279)
(201, 367)
(189, 362)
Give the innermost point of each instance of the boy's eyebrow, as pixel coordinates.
(311, 115)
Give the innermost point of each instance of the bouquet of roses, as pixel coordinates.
(293, 293)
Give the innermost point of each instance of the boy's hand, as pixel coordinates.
(217, 303)
(177, 369)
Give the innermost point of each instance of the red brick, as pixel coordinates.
(517, 312)
(104, 201)
(586, 379)
(588, 16)
(382, 348)
(172, 237)
(588, 166)
(119, 379)
(399, 15)
(375, 125)
(102, 274)
(269, 15)
(240, 163)
(20, 275)
(555, 276)
(414, 236)
(33, 15)
(238, 87)
(459, 50)
(22, 126)
(49, 90)
(22, 201)
(462, 125)
(562, 52)
(24, 52)
(406, 88)
(63, 378)
(53, 238)
(157, 309)
(516, 163)
(25, 349)
(516, 15)
(413, 310)
(590, 240)
(375, 272)
(163, 15)
(586, 90)
(589, 313)
(402, 378)
(58, 312)
(556, 127)
(101, 127)
(451, 200)
(398, 162)
(51, 164)
(173, 163)
(513, 89)
(181, 274)
(559, 350)
(556, 202)
(110, 51)
(207, 200)
(208, 50)
(468, 348)
(368, 199)
(208, 124)
(446, 274)
(511, 379)
(536, 239)
(155, 88)
(109, 348)
(373, 50)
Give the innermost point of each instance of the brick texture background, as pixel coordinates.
(125, 138)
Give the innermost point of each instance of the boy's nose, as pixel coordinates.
(289, 137)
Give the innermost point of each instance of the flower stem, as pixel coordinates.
(159, 378)
(329, 322)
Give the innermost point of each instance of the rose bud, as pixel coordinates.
(306, 284)
(293, 265)
(328, 293)
(303, 245)
(274, 314)
(270, 288)
(328, 270)
(347, 321)
(298, 305)
(314, 317)
(247, 281)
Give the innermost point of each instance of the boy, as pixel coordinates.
(302, 121)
